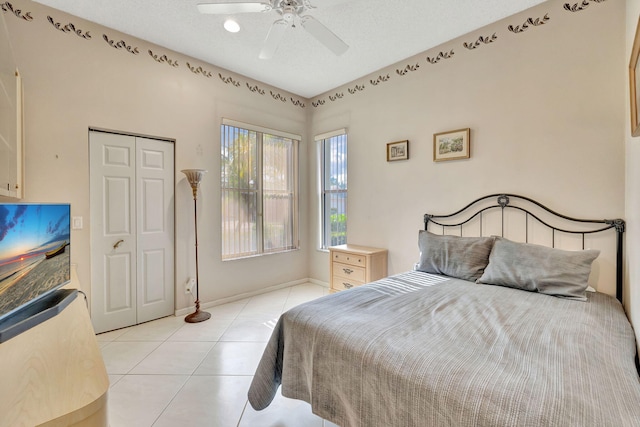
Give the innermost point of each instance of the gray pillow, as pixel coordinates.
(539, 269)
(460, 257)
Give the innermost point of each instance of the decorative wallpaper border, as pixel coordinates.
(357, 88)
(480, 41)
(229, 80)
(579, 7)
(441, 56)
(380, 79)
(120, 45)
(69, 28)
(163, 59)
(277, 96)
(405, 70)
(530, 21)
(408, 69)
(8, 7)
(160, 58)
(446, 55)
(199, 70)
(255, 88)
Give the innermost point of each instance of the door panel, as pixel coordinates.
(113, 233)
(117, 155)
(153, 275)
(132, 230)
(155, 224)
(153, 220)
(116, 201)
(116, 274)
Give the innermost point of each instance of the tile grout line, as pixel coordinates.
(291, 298)
(170, 401)
(244, 409)
(202, 361)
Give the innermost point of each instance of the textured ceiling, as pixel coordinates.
(379, 33)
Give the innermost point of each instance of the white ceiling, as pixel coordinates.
(379, 33)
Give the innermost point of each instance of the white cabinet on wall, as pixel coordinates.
(10, 120)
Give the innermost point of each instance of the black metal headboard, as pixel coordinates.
(504, 201)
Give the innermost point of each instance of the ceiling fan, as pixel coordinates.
(291, 15)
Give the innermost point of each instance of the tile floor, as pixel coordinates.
(168, 373)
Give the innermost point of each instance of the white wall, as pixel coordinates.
(71, 84)
(546, 117)
(632, 158)
(544, 107)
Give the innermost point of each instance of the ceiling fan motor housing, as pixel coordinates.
(289, 9)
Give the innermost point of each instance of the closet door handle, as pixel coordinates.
(115, 246)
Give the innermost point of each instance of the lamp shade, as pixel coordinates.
(194, 176)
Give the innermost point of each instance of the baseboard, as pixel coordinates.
(187, 310)
(319, 283)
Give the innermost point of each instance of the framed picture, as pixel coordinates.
(452, 145)
(398, 151)
(634, 77)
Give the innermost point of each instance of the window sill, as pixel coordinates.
(260, 255)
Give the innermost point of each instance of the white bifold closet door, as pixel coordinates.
(132, 229)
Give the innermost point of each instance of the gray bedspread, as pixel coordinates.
(421, 350)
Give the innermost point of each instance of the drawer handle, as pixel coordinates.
(347, 270)
(347, 285)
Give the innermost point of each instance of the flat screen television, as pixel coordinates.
(35, 257)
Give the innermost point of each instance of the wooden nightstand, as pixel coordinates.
(353, 265)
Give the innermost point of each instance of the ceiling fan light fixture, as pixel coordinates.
(231, 26)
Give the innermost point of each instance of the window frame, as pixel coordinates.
(259, 190)
(323, 168)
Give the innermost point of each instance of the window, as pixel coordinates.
(333, 191)
(259, 176)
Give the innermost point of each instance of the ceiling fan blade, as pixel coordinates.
(230, 8)
(273, 39)
(324, 35)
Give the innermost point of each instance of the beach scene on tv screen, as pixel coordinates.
(34, 252)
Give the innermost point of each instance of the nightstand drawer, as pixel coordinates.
(350, 272)
(354, 265)
(341, 283)
(348, 258)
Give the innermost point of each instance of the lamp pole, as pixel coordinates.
(194, 176)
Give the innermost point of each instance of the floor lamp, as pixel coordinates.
(195, 176)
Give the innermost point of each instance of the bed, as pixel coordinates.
(488, 330)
